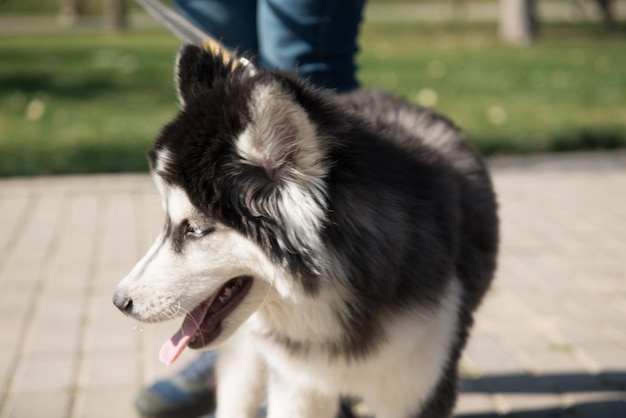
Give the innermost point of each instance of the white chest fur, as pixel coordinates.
(396, 379)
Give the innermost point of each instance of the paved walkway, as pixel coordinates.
(550, 341)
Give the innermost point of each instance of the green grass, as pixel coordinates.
(94, 102)
(568, 92)
(85, 103)
(51, 7)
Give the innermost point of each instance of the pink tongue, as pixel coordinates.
(172, 348)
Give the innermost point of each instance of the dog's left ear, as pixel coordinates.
(281, 138)
(198, 68)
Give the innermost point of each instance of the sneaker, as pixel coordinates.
(188, 394)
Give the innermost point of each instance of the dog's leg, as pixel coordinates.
(241, 378)
(288, 399)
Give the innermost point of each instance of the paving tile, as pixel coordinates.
(109, 369)
(532, 402)
(38, 404)
(118, 239)
(25, 262)
(152, 219)
(105, 403)
(53, 335)
(608, 355)
(13, 330)
(521, 332)
(596, 308)
(487, 355)
(553, 358)
(55, 323)
(44, 372)
(72, 265)
(474, 403)
(107, 329)
(13, 215)
(15, 303)
(8, 354)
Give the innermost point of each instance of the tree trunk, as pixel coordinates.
(116, 15)
(605, 7)
(518, 21)
(69, 12)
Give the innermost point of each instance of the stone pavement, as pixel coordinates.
(550, 341)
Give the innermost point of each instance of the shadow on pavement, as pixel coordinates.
(607, 394)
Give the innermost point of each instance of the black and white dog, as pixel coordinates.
(329, 245)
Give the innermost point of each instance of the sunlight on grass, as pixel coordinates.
(571, 85)
(89, 103)
(94, 103)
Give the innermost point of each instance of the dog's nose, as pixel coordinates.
(123, 302)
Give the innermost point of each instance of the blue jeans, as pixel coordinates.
(316, 38)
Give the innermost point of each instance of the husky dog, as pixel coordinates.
(330, 246)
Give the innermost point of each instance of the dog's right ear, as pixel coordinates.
(197, 69)
(194, 72)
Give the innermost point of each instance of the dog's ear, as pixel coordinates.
(198, 68)
(281, 138)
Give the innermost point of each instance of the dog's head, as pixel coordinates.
(241, 172)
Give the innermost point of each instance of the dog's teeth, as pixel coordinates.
(225, 295)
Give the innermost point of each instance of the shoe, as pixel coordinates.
(188, 394)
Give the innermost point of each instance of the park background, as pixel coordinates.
(85, 92)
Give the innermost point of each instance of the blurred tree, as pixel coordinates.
(116, 15)
(69, 12)
(518, 21)
(605, 7)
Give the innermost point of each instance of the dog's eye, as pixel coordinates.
(194, 231)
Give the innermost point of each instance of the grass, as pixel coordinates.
(51, 7)
(568, 92)
(94, 102)
(83, 104)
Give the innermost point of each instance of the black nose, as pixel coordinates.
(123, 303)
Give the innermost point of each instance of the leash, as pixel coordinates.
(189, 33)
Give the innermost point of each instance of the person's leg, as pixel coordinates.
(233, 22)
(316, 37)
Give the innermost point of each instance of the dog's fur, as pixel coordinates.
(367, 224)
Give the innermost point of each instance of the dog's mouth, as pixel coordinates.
(204, 324)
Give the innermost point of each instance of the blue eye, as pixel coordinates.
(194, 231)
